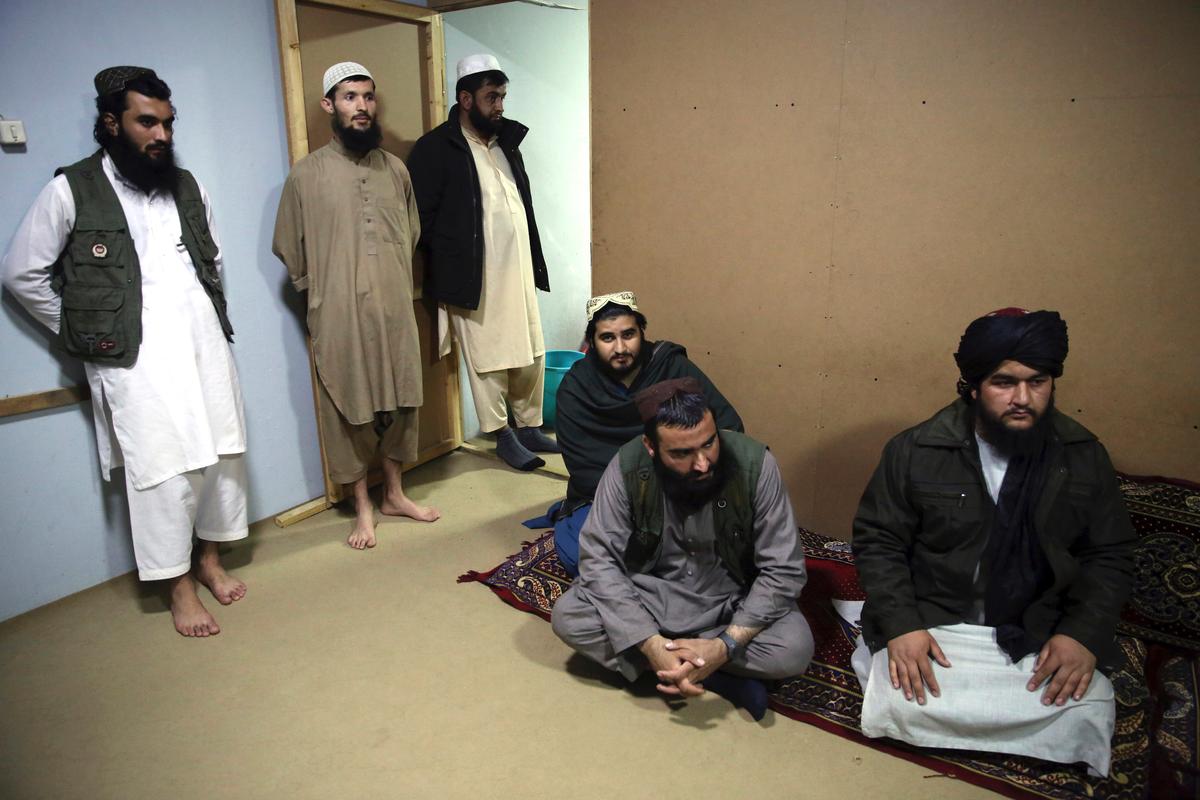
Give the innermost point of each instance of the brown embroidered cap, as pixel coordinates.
(649, 399)
(114, 79)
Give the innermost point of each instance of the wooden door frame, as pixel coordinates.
(295, 118)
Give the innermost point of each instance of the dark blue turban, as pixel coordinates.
(1037, 339)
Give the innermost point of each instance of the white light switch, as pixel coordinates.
(12, 131)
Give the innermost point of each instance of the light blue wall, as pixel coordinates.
(62, 528)
(544, 52)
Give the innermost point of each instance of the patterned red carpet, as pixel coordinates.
(1155, 744)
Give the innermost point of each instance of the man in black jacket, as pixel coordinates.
(484, 257)
(596, 413)
(993, 537)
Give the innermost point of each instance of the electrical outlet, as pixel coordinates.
(12, 131)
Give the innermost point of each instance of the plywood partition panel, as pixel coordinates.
(817, 197)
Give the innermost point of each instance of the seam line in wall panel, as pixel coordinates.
(830, 262)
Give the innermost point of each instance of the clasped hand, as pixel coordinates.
(682, 664)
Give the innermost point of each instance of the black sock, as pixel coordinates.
(515, 454)
(747, 693)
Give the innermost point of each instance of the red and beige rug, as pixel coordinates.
(1157, 687)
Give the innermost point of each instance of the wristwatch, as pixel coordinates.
(731, 645)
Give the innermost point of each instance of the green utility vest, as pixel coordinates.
(98, 274)
(733, 507)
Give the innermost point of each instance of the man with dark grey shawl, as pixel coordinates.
(689, 561)
(992, 537)
(346, 229)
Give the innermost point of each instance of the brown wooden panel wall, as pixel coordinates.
(816, 198)
(390, 48)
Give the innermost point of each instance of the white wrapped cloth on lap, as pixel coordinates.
(984, 705)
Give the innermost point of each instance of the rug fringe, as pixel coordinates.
(471, 575)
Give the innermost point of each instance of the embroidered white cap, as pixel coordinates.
(627, 299)
(482, 62)
(339, 72)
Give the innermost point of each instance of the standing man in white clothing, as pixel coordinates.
(484, 257)
(119, 259)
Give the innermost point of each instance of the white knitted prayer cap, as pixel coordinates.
(339, 72)
(482, 62)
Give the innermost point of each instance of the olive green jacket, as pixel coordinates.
(924, 519)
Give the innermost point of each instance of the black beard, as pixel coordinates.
(688, 490)
(483, 124)
(357, 141)
(1010, 442)
(147, 174)
(618, 375)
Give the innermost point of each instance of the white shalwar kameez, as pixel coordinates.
(502, 339)
(173, 419)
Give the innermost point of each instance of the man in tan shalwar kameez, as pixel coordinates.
(346, 229)
(485, 257)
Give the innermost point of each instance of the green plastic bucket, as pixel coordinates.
(558, 362)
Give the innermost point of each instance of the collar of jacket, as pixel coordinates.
(952, 427)
(512, 133)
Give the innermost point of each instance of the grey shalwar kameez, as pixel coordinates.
(687, 592)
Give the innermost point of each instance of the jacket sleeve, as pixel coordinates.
(425, 170)
(1105, 555)
(883, 533)
(288, 242)
(34, 250)
(777, 553)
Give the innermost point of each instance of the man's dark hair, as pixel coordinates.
(333, 89)
(680, 410)
(115, 103)
(612, 311)
(472, 83)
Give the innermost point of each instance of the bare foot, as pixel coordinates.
(407, 508)
(190, 615)
(223, 586)
(363, 534)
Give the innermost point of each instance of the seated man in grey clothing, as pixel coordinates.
(689, 562)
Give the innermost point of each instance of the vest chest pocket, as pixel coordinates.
(89, 320)
(98, 257)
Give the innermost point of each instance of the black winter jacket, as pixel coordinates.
(924, 520)
(447, 189)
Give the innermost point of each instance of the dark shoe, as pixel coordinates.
(513, 453)
(535, 441)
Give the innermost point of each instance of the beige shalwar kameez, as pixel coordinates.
(501, 340)
(346, 230)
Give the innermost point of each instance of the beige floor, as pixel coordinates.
(375, 675)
